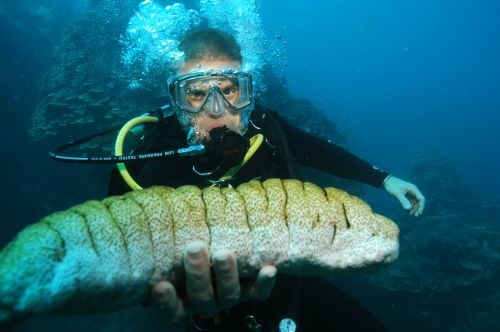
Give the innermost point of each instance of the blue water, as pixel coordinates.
(399, 78)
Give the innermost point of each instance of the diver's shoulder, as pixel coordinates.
(264, 113)
(166, 133)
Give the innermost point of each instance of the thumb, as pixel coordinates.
(405, 203)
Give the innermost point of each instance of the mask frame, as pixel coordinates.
(180, 88)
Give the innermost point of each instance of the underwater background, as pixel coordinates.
(411, 86)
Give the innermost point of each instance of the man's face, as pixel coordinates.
(208, 118)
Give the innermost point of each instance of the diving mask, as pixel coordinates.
(214, 91)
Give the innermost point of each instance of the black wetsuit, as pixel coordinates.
(314, 304)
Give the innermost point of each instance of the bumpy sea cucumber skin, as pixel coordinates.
(105, 255)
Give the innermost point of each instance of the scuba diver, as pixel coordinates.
(214, 112)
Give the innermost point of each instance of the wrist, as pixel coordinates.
(384, 183)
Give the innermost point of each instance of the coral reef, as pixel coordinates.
(86, 88)
(438, 178)
(455, 244)
(451, 251)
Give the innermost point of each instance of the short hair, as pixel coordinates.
(210, 44)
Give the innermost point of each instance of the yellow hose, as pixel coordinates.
(255, 143)
(120, 139)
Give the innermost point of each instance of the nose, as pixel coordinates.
(215, 105)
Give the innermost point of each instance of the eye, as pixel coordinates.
(196, 93)
(230, 91)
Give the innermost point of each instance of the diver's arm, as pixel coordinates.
(312, 151)
(315, 152)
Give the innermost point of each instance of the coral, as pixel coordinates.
(438, 178)
(452, 250)
(86, 88)
(454, 245)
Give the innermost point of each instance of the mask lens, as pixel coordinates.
(190, 92)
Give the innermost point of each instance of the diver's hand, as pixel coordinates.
(407, 194)
(201, 297)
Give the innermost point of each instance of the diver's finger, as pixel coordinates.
(403, 200)
(421, 206)
(417, 200)
(198, 283)
(421, 202)
(414, 208)
(420, 209)
(226, 273)
(265, 282)
(165, 295)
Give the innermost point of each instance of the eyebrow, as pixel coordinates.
(233, 81)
